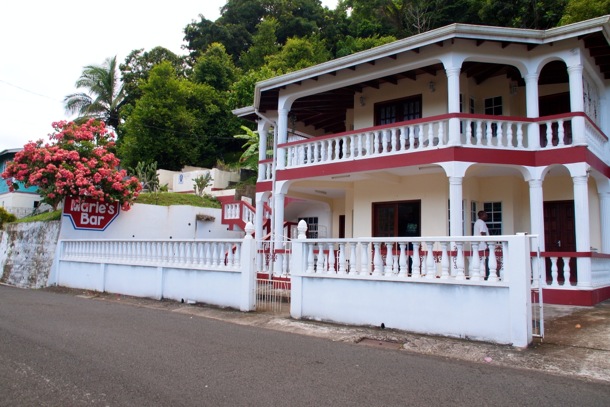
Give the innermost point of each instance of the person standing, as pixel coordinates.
(480, 227)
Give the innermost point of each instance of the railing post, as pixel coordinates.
(248, 271)
(301, 255)
(520, 300)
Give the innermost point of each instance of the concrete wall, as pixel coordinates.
(27, 251)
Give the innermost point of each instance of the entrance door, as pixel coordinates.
(559, 233)
(397, 219)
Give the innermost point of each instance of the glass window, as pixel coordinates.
(312, 226)
(494, 217)
(397, 219)
(398, 110)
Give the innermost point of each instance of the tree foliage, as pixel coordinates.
(215, 68)
(177, 122)
(104, 96)
(78, 162)
(579, 10)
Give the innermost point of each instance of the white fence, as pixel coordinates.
(353, 282)
(219, 272)
(426, 285)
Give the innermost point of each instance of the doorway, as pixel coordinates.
(560, 235)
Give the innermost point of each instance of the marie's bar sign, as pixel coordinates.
(89, 214)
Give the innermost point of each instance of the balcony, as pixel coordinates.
(433, 133)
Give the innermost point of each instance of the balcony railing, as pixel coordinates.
(475, 131)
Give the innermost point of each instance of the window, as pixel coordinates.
(471, 111)
(397, 219)
(493, 106)
(473, 215)
(398, 110)
(312, 226)
(494, 217)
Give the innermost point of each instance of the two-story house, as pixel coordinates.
(414, 137)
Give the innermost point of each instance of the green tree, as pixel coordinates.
(242, 90)
(177, 122)
(137, 66)
(535, 14)
(264, 43)
(249, 158)
(299, 53)
(580, 10)
(351, 45)
(215, 68)
(104, 96)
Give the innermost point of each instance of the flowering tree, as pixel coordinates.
(78, 162)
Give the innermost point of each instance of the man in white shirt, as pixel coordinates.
(480, 227)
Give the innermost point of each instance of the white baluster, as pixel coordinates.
(389, 259)
(415, 261)
(509, 135)
(444, 261)
(430, 135)
(560, 132)
(402, 260)
(352, 258)
(500, 134)
(341, 268)
(404, 131)
(352, 146)
(468, 140)
(430, 266)
(475, 263)
(441, 134)
(519, 135)
(331, 258)
(488, 133)
(554, 272)
(364, 259)
(479, 133)
(492, 263)
(503, 277)
(459, 261)
(310, 258)
(566, 272)
(549, 134)
(320, 263)
(377, 260)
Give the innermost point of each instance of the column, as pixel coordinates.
(282, 136)
(537, 211)
(533, 111)
(581, 226)
(263, 127)
(577, 103)
(456, 227)
(259, 216)
(453, 104)
(604, 207)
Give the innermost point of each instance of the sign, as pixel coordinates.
(89, 214)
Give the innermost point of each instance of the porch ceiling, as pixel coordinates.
(327, 110)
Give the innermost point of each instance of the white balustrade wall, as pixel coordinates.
(219, 272)
(432, 133)
(433, 288)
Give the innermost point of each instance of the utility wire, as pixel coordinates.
(29, 91)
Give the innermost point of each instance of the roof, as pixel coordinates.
(594, 33)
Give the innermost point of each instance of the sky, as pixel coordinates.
(44, 45)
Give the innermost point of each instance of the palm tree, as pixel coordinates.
(104, 97)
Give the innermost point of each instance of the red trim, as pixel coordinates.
(586, 298)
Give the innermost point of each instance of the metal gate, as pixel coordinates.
(273, 295)
(538, 280)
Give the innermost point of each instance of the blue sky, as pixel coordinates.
(44, 46)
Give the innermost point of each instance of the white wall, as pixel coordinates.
(156, 222)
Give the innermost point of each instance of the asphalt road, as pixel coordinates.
(62, 350)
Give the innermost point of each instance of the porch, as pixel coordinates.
(500, 133)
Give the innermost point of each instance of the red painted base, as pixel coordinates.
(575, 297)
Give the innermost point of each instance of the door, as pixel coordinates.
(559, 234)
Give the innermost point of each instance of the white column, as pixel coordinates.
(537, 211)
(581, 215)
(581, 226)
(263, 127)
(604, 199)
(533, 111)
(577, 103)
(453, 103)
(278, 217)
(259, 216)
(455, 206)
(282, 136)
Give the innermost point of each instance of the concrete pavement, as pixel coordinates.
(576, 342)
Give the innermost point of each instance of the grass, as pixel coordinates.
(41, 217)
(161, 199)
(172, 198)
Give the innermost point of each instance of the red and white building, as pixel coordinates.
(412, 138)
